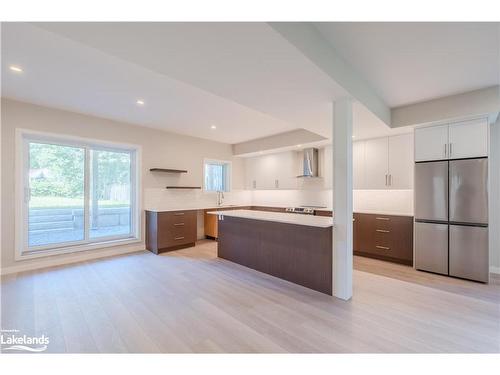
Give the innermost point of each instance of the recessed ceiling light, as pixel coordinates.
(16, 69)
(213, 127)
(139, 102)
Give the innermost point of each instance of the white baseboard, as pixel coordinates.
(78, 257)
(495, 270)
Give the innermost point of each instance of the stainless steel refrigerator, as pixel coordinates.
(451, 218)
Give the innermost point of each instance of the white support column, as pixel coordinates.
(342, 199)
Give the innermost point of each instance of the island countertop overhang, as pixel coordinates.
(279, 217)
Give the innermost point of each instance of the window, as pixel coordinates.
(217, 175)
(76, 193)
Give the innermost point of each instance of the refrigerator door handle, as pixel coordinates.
(386, 179)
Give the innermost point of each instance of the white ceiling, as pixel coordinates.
(245, 78)
(248, 63)
(413, 62)
(62, 73)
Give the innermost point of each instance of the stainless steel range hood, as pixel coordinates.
(309, 163)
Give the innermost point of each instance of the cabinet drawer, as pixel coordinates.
(383, 249)
(385, 237)
(177, 217)
(382, 222)
(175, 239)
(176, 228)
(382, 239)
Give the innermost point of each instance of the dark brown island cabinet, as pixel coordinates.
(385, 237)
(297, 253)
(170, 230)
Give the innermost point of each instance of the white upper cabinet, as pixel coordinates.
(266, 168)
(272, 171)
(465, 139)
(383, 163)
(401, 162)
(326, 166)
(431, 143)
(358, 165)
(251, 173)
(468, 139)
(376, 163)
(284, 176)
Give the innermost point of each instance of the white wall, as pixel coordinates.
(159, 149)
(395, 202)
(292, 198)
(494, 195)
(460, 106)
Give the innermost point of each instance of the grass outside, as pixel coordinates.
(61, 202)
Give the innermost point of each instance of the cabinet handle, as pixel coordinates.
(451, 149)
(390, 179)
(445, 150)
(178, 224)
(385, 180)
(382, 231)
(178, 238)
(254, 184)
(179, 214)
(382, 218)
(383, 247)
(276, 184)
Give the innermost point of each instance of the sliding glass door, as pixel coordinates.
(109, 193)
(56, 194)
(76, 193)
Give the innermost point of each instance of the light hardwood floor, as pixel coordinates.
(487, 292)
(191, 301)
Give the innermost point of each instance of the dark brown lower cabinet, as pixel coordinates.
(269, 209)
(296, 253)
(386, 237)
(323, 213)
(170, 230)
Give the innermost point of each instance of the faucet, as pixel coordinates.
(220, 197)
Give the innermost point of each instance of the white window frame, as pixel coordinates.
(229, 174)
(23, 251)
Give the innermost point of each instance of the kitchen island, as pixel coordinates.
(293, 247)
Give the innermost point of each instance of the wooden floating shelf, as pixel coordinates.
(167, 170)
(183, 187)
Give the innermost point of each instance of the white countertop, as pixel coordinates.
(169, 209)
(279, 217)
(375, 212)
